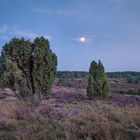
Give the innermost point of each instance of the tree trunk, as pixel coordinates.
(36, 98)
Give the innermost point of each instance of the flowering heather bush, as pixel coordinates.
(67, 116)
(68, 97)
(123, 101)
(25, 113)
(46, 110)
(2, 122)
(9, 115)
(58, 106)
(54, 113)
(76, 112)
(57, 114)
(7, 136)
(2, 96)
(76, 98)
(5, 125)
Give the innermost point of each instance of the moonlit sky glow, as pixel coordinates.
(79, 31)
(82, 39)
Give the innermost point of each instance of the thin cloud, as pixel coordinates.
(106, 36)
(48, 11)
(42, 10)
(4, 37)
(26, 34)
(66, 12)
(8, 32)
(30, 35)
(47, 37)
(3, 29)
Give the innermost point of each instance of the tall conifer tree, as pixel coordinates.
(97, 82)
(28, 68)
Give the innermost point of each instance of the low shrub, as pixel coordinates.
(122, 92)
(64, 82)
(4, 135)
(6, 125)
(138, 92)
(24, 114)
(130, 92)
(2, 122)
(46, 110)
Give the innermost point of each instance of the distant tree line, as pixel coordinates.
(131, 77)
(72, 74)
(123, 74)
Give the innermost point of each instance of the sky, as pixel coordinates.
(79, 31)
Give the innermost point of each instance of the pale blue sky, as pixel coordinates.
(111, 29)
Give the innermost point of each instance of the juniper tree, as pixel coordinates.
(91, 88)
(28, 68)
(44, 69)
(97, 81)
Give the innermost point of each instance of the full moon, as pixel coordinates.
(82, 39)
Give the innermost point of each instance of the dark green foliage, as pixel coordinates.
(3, 62)
(130, 80)
(82, 74)
(138, 92)
(123, 74)
(131, 77)
(28, 68)
(15, 79)
(15, 66)
(97, 81)
(130, 92)
(72, 74)
(64, 82)
(122, 92)
(45, 63)
(91, 89)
